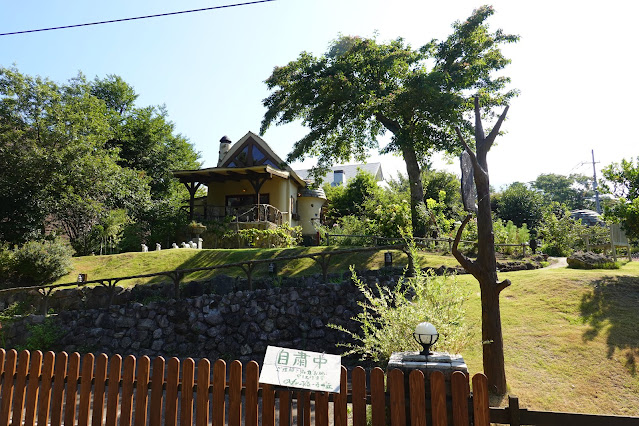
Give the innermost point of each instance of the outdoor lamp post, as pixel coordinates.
(426, 335)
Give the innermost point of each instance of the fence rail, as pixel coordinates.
(322, 259)
(66, 389)
(423, 240)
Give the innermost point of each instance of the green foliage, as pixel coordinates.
(389, 317)
(624, 179)
(572, 191)
(626, 212)
(560, 232)
(82, 159)
(349, 200)
(520, 205)
(368, 88)
(283, 236)
(43, 337)
(36, 263)
(509, 233)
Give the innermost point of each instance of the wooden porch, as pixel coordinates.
(251, 214)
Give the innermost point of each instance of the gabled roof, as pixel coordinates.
(349, 170)
(250, 156)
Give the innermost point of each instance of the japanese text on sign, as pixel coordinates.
(301, 369)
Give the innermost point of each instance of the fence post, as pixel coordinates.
(450, 244)
(513, 410)
(523, 249)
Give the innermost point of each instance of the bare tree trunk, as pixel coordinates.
(484, 269)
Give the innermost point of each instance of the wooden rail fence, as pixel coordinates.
(55, 389)
(176, 276)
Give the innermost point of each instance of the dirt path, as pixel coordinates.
(557, 262)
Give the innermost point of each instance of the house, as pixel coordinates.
(252, 185)
(338, 175)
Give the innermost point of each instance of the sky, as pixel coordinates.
(575, 66)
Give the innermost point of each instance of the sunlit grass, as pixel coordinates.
(571, 336)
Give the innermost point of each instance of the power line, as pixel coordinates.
(137, 17)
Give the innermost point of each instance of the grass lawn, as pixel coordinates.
(128, 264)
(571, 336)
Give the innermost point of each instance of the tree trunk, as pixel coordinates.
(416, 190)
(484, 269)
(491, 335)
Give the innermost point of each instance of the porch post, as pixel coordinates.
(192, 187)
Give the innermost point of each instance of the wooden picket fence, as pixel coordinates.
(55, 389)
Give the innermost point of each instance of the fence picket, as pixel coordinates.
(172, 380)
(397, 399)
(128, 376)
(113, 394)
(358, 382)
(7, 386)
(378, 397)
(235, 394)
(73, 374)
(85, 389)
(304, 408)
(481, 410)
(460, 392)
(59, 376)
(188, 378)
(219, 392)
(417, 394)
(438, 398)
(20, 390)
(250, 395)
(157, 391)
(268, 405)
(340, 412)
(33, 388)
(2, 357)
(321, 409)
(202, 397)
(44, 401)
(285, 407)
(99, 389)
(142, 390)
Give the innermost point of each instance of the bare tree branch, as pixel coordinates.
(502, 285)
(495, 131)
(466, 146)
(465, 262)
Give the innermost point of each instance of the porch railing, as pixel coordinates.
(250, 213)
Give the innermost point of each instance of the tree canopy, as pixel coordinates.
(572, 191)
(73, 154)
(360, 89)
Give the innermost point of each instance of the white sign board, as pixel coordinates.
(301, 369)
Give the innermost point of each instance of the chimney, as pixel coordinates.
(338, 177)
(225, 145)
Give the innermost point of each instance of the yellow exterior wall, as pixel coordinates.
(279, 190)
(309, 209)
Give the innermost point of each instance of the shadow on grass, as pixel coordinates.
(613, 303)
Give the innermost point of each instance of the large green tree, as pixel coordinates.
(572, 191)
(61, 163)
(361, 89)
(520, 205)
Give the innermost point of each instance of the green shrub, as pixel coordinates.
(36, 263)
(43, 337)
(389, 317)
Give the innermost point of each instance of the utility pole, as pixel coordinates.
(594, 183)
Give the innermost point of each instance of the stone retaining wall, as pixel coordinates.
(237, 325)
